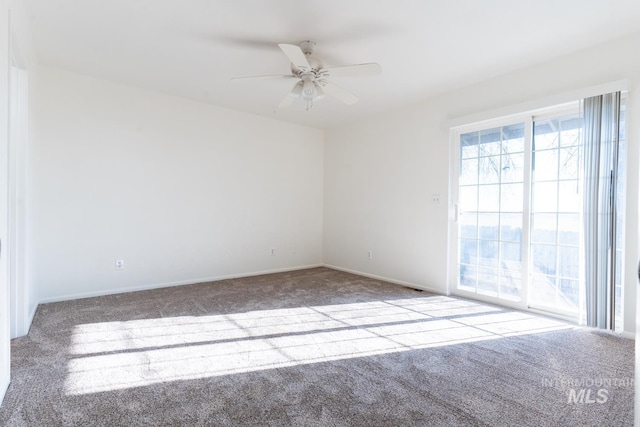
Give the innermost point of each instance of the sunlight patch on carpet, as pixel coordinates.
(119, 355)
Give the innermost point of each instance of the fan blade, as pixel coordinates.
(266, 77)
(369, 69)
(295, 55)
(339, 93)
(291, 95)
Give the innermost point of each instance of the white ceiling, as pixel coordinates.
(192, 48)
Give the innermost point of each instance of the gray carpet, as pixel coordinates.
(315, 347)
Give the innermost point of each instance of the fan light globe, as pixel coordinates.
(308, 89)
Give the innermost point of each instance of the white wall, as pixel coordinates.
(379, 179)
(14, 37)
(181, 191)
(380, 174)
(23, 62)
(4, 165)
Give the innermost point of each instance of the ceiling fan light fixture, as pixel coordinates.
(314, 79)
(297, 90)
(308, 88)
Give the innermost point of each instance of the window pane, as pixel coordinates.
(511, 227)
(488, 253)
(543, 290)
(512, 167)
(570, 127)
(569, 163)
(569, 197)
(488, 198)
(545, 134)
(569, 293)
(513, 138)
(468, 198)
(469, 145)
(511, 198)
(545, 165)
(568, 262)
(468, 276)
(490, 142)
(544, 259)
(511, 255)
(488, 226)
(488, 281)
(545, 197)
(569, 228)
(468, 251)
(510, 282)
(468, 225)
(543, 228)
(489, 172)
(469, 171)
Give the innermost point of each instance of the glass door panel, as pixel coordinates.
(555, 215)
(491, 211)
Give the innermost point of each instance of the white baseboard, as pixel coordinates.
(29, 321)
(627, 334)
(4, 385)
(387, 279)
(32, 315)
(170, 284)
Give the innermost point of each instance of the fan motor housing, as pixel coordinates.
(307, 47)
(316, 66)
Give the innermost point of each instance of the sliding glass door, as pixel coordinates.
(518, 213)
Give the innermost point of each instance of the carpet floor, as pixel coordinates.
(314, 347)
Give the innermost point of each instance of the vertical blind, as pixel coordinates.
(601, 128)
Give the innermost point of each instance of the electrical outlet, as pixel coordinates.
(273, 252)
(369, 254)
(435, 198)
(119, 264)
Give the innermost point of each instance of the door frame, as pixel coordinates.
(5, 318)
(17, 144)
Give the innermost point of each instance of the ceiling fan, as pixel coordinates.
(314, 78)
